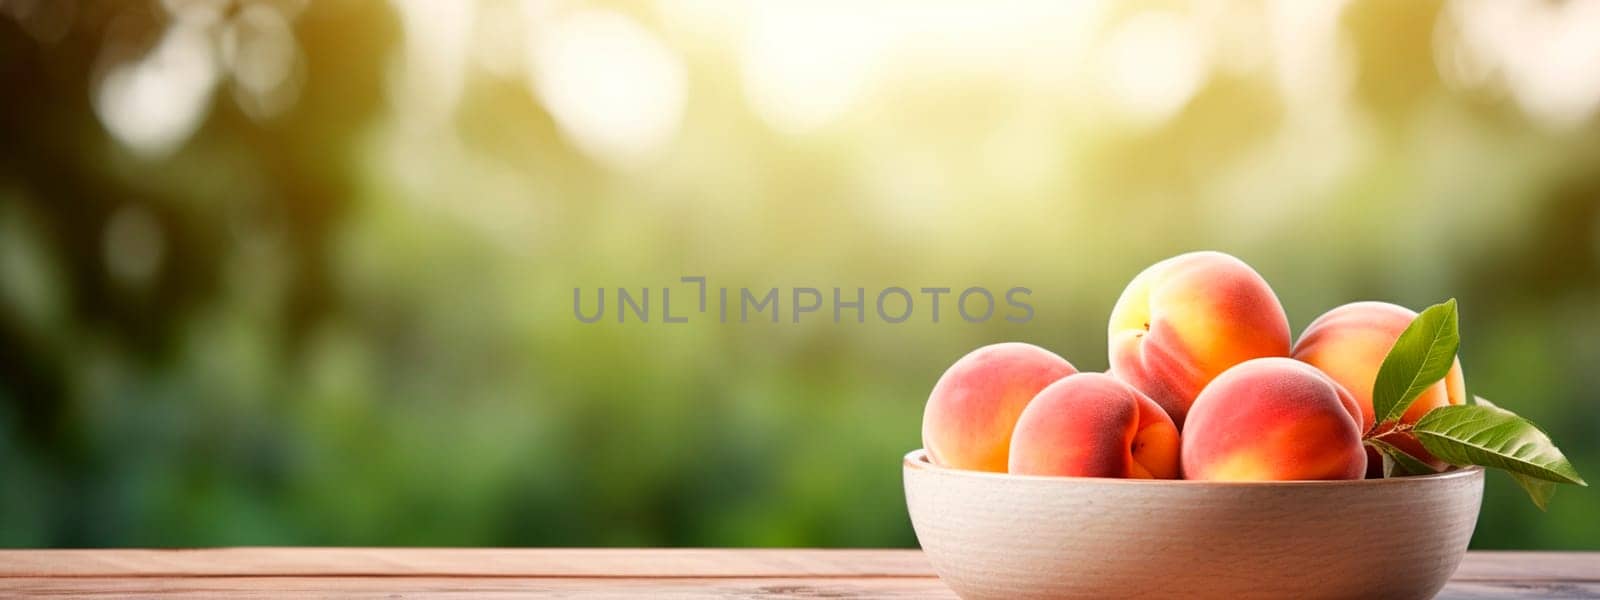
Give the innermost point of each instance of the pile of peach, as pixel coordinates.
(1204, 384)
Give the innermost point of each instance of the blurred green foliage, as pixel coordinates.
(345, 318)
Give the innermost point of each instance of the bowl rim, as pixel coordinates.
(918, 460)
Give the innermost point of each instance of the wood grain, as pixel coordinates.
(434, 574)
(437, 588)
(442, 588)
(479, 562)
(1529, 566)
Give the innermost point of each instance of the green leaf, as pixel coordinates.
(1486, 435)
(1420, 357)
(1539, 490)
(1397, 462)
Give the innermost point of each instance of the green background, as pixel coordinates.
(326, 298)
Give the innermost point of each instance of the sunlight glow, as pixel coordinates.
(260, 50)
(803, 67)
(1154, 63)
(614, 89)
(154, 104)
(1547, 54)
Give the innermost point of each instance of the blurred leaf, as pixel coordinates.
(1539, 490)
(1419, 358)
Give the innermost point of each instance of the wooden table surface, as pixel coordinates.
(603, 573)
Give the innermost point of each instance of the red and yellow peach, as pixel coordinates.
(1273, 419)
(973, 409)
(1093, 425)
(1350, 342)
(1184, 320)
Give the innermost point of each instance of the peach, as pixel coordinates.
(1273, 419)
(1187, 319)
(1094, 425)
(973, 408)
(1350, 342)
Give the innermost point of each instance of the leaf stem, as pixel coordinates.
(1379, 431)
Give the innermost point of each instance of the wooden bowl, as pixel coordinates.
(1001, 536)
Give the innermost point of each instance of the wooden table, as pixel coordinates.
(596, 573)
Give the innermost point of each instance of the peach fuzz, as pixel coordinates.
(1093, 425)
(1273, 419)
(1184, 320)
(1350, 342)
(968, 421)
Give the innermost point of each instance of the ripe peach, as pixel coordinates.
(1350, 342)
(1187, 319)
(1094, 425)
(1273, 419)
(973, 408)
